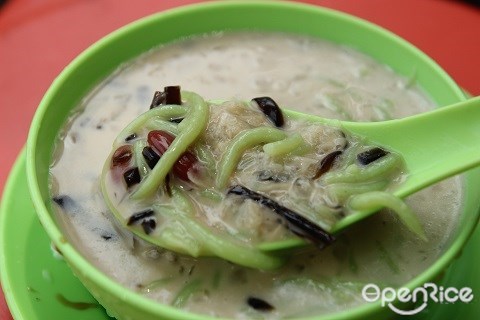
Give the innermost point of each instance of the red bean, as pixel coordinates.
(161, 140)
(121, 157)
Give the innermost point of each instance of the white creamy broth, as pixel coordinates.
(301, 73)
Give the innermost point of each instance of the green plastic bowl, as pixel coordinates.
(101, 59)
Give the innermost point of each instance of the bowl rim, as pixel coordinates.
(120, 292)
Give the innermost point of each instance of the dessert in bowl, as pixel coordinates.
(330, 64)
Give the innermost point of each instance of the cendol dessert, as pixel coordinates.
(198, 192)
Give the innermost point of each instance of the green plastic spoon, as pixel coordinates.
(434, 145)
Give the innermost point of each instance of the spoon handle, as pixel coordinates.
(435, 145)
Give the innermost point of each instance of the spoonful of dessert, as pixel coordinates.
(246, 181)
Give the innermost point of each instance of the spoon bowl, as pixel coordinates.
(429, 151)
(434, 145)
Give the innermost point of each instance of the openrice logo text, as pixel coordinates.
(428, 292)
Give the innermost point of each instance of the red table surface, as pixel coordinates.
(38, 38)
